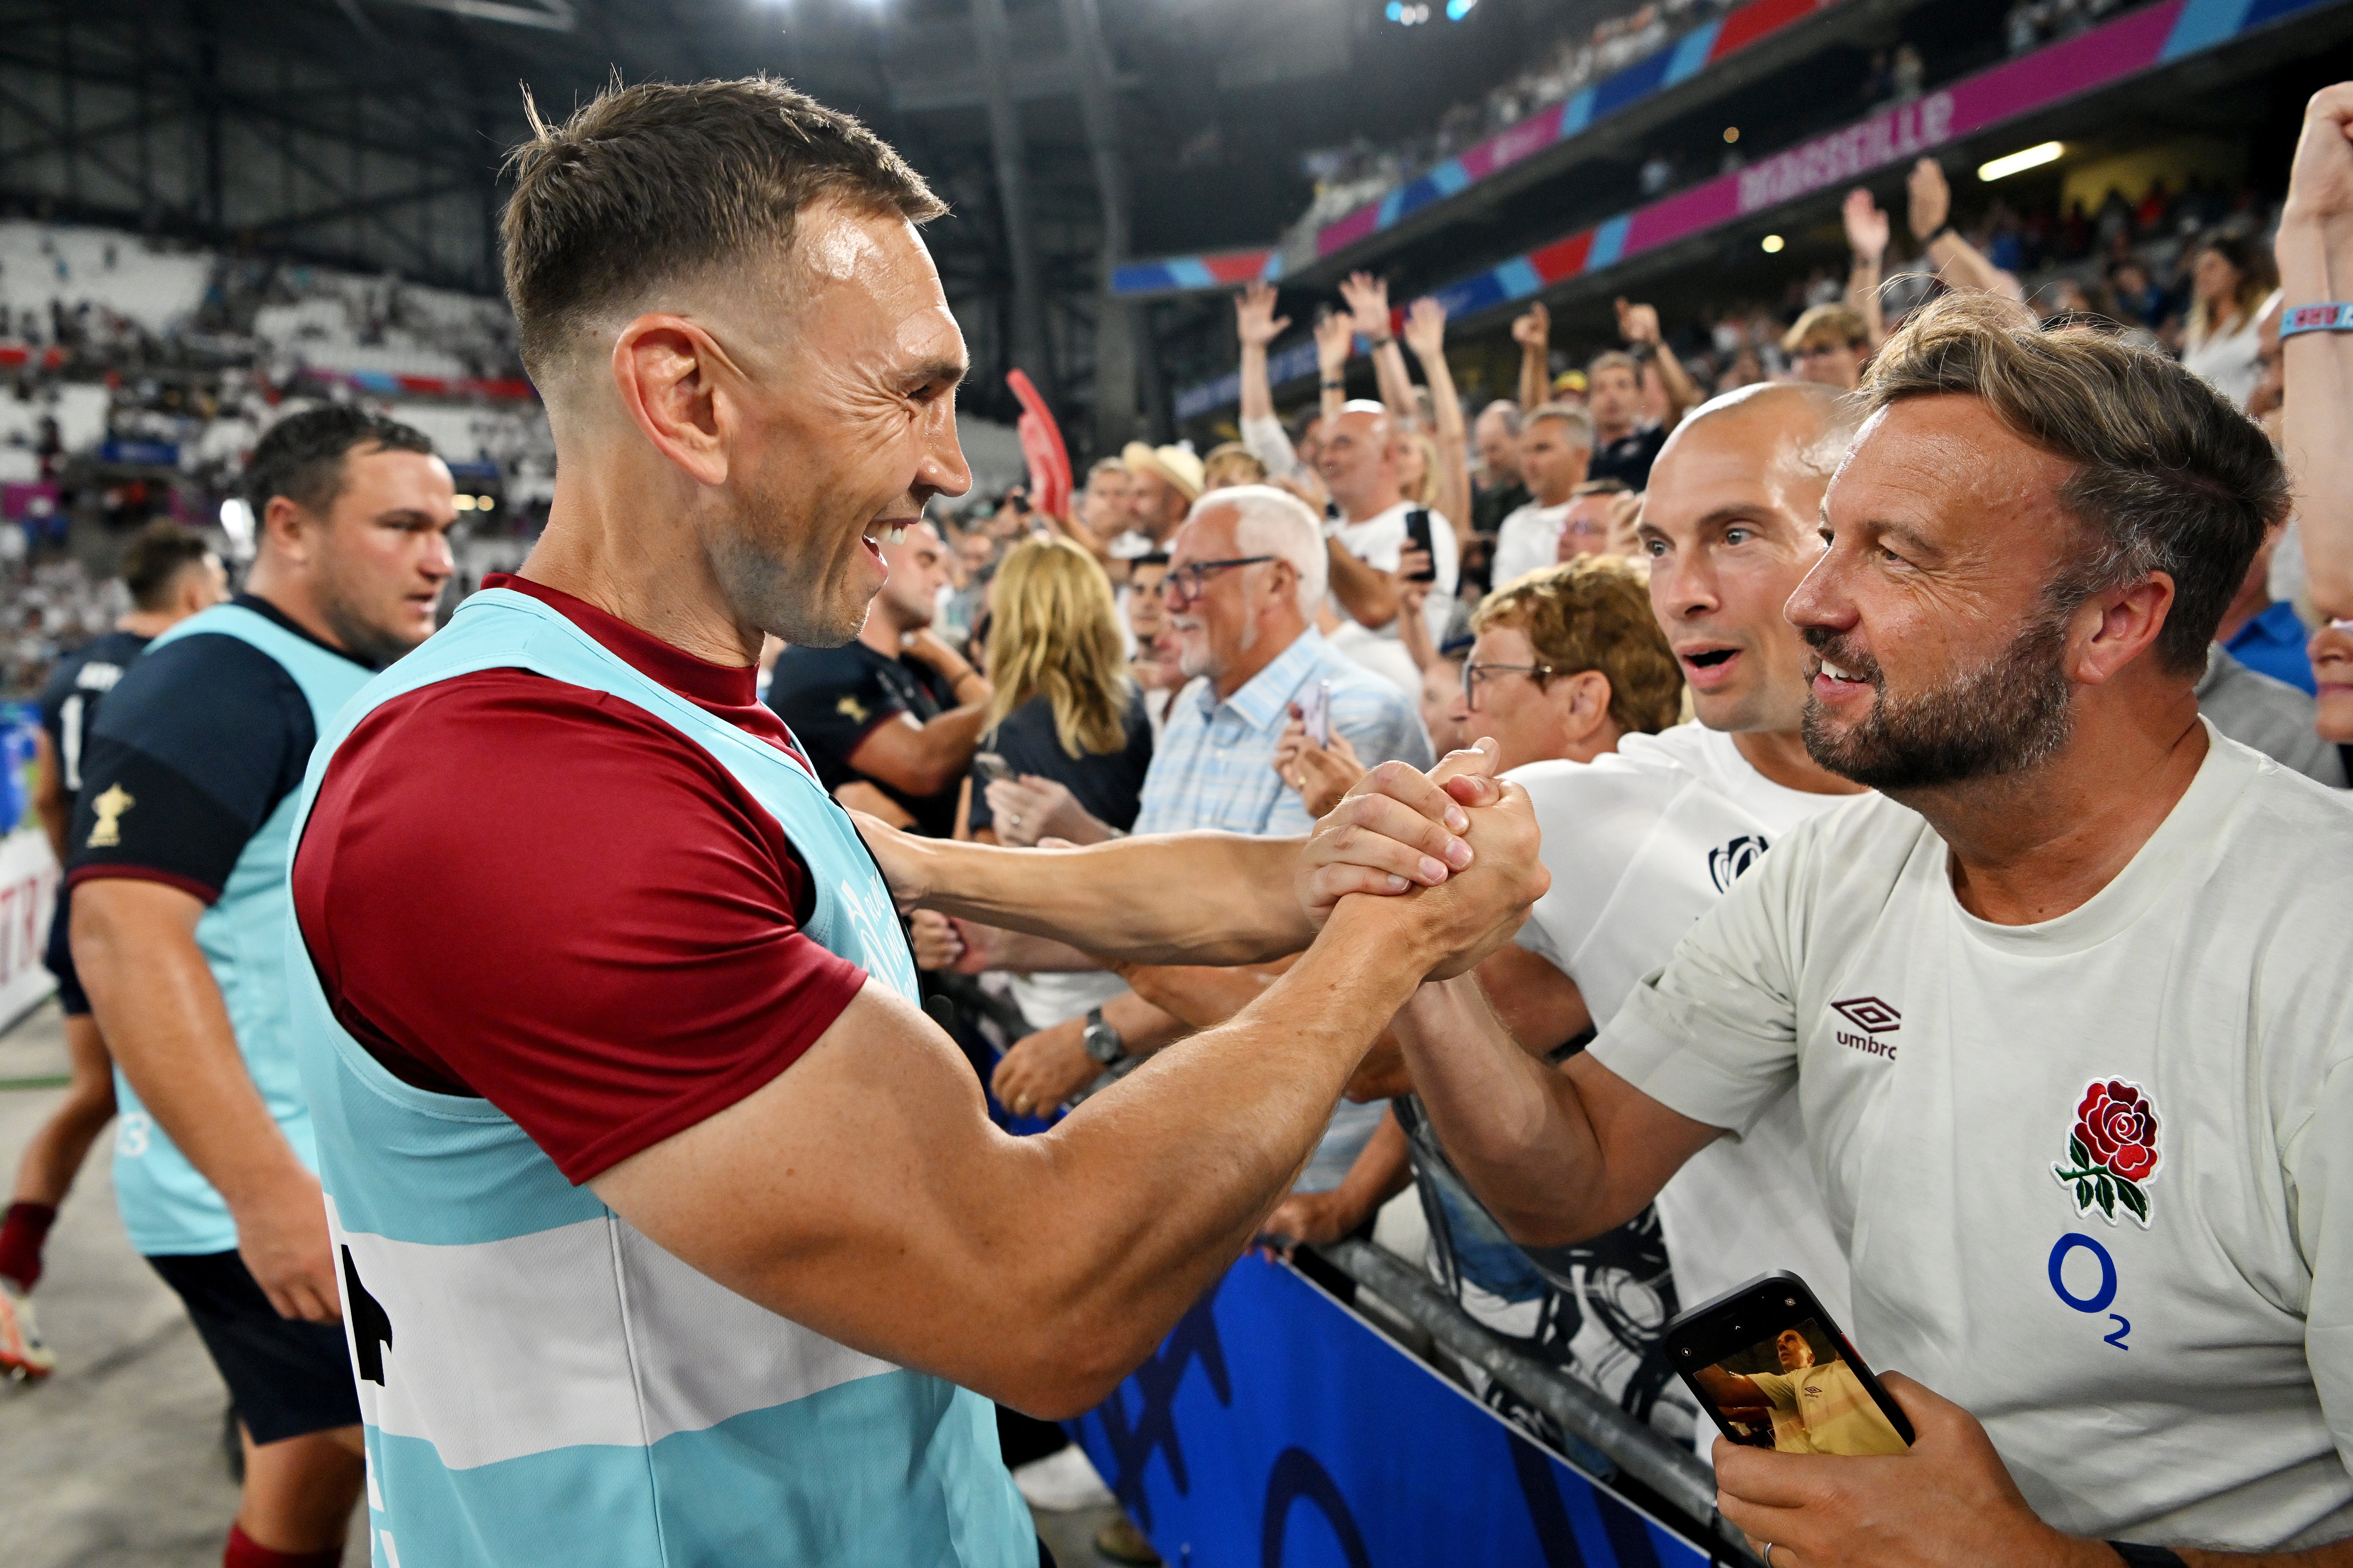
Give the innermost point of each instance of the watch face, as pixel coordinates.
(1102, 1042)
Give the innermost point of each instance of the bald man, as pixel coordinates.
(1358, 463)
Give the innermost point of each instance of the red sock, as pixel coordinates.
(21, 1235)
(244, 1551)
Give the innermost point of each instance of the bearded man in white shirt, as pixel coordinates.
(2066, 1007)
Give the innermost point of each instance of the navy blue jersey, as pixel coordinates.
(206, 734)
(69, 701)
(833, 697)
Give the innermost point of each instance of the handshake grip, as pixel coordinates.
(1449, 858)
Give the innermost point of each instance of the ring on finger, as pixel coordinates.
(1766, 1555)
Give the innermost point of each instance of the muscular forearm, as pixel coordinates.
(156, 1002)
(1202, 897)
(1515, 1131)
(1203, 996)
(2317, 267)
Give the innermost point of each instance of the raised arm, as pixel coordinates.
(1639, 325)
(1958, 262)
(1866, 238)
(1425, 334)
(1335, 340)
(2316, 263)
(1533, 331)
(1256, 325)
(1040, 1270)
(1368, 299)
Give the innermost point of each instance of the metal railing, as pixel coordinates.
(1673, 1474)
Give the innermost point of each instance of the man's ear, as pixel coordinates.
(2117, 627)
(1584, 699)
(292, 529)
(670, 374)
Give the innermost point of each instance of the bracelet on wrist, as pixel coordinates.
(2336, 316)
(1384, 341)
(1335, 383)
(1944, 231)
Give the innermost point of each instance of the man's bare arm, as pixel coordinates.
(1541, 1006)
(1188, 897)
(922, 758)
(1556, 1156)
(135, 944)
(864, 1194)
(2316, 263)
(1369, 594)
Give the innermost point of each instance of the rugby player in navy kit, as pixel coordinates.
(171, 574)
(179, 915)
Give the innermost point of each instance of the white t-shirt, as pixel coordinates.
(1642, 842)
(1528, 541)
(1380, 542)
(2180, 1375)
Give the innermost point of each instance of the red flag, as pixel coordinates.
(1041, 443)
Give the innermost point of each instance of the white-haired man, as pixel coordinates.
(1359, 465)
(1245, 575)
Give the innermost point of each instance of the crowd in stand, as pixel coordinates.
(1951, 686)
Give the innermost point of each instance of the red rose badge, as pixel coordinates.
(2112, 1154)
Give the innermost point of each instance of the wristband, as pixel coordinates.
(1338, 384)
(2329, 318)
(1384, 341)
(1942, 231)
(2138, 1556)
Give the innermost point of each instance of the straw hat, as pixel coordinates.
(1176, 465)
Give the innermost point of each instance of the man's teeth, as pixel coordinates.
(891, 534)
(1835, 673)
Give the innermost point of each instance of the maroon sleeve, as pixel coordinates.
(540, 894)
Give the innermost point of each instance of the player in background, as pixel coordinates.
(172, 573)
(180, 845)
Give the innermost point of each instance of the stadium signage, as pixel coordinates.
(1833, 159)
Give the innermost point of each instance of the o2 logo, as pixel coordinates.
(2099, 1301)
(131, 1135)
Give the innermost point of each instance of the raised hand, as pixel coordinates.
(1532, 329)
(1866, 226)
(1931, 198)
(1335, 340)
(1425, 328)
(1255, 321)
(1638, 323)
(2320, 182)
(1368, 299)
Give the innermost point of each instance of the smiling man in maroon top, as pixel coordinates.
(578, 900)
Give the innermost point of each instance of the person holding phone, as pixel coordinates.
(2091, 1186)
(1359, 465)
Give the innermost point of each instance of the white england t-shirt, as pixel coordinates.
(2095, 1175)
(1640, 842)
(1380, 542)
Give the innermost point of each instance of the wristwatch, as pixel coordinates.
(2138, 1556)
(1103, 1044)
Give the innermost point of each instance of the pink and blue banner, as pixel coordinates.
(2157, 36)
(1669, 67)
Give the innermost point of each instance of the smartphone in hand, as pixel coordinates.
(1417, 537)
(1775, 1371)
(990, 766)
(1315, 714)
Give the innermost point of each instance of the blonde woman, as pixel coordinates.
(1067, 725)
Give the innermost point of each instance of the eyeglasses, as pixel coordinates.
(1477, 675)
(1185, 582)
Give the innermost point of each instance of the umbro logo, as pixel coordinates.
(1870, 1014)
(1725, 862)
(1873, 1018)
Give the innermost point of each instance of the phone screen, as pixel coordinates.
(1775, 1371)
(991, 766)
(1316, 714)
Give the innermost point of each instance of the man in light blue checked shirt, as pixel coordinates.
(1246, 573)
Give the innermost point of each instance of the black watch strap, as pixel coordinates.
(2138, 1556)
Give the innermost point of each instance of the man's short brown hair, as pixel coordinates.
(1839, 324)
(1594, 612)
(647, 184)
(1613, 359)
(2169, 476)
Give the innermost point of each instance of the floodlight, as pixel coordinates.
(1772, 243)
(2019, 163)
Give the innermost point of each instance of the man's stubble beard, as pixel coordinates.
(775, 577)
(2004, 718)
(375, 645)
